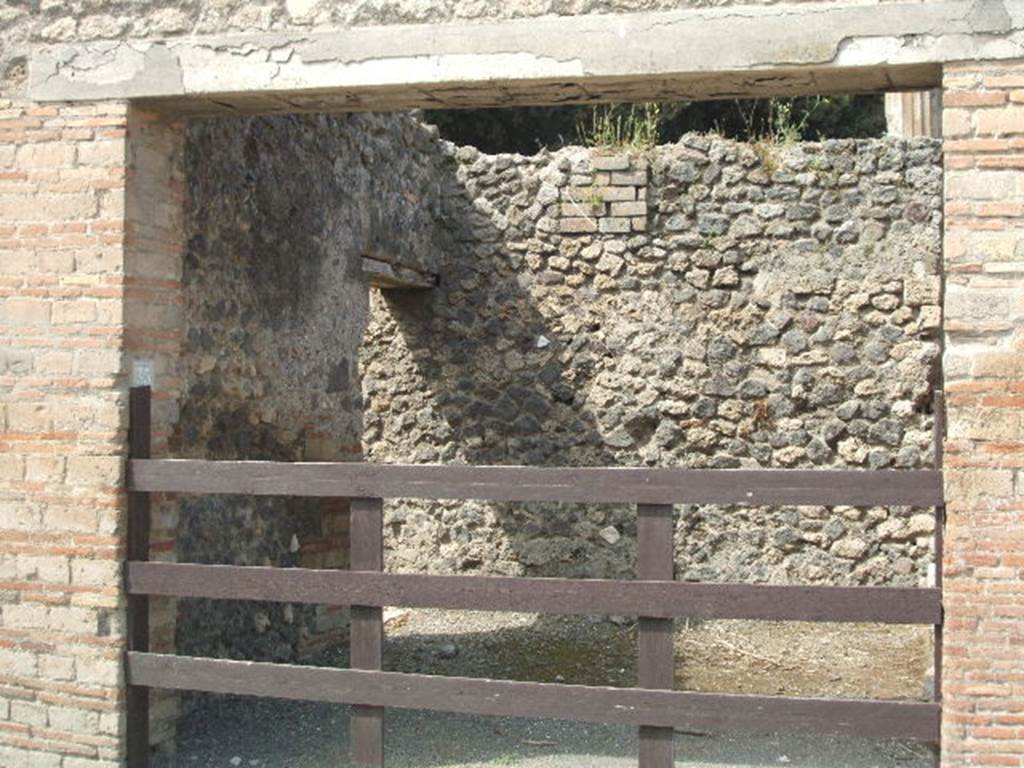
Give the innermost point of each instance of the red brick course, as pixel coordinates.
(983, 721)
(78, 284)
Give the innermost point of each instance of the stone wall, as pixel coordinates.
(983, 711)
(24, 23)
(92, 240)
(706, 304)
(90, 197)
(280, 212)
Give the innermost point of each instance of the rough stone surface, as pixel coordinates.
(279, 213)
(760, 321)
(759, 318)
(820, 48)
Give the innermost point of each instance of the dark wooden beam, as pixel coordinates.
(137, 545)
(939, 437)
(385, 275)
(557, 484)
(655, 560)
(656, 599)
(366, 535)
(706, 712)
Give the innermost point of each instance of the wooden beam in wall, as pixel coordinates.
(384, 275)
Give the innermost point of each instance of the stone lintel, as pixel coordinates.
(789, 48)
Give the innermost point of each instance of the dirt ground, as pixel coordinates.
(870, 661)
(786, 658)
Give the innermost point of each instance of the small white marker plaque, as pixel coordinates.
(142, 372)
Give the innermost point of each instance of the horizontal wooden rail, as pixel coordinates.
(655, 599)
(633, 706)
(554, 484)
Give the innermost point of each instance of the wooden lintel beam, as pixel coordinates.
(385, 275)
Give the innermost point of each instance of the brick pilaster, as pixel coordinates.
(73, 277)
(154, 244)
(983, 126)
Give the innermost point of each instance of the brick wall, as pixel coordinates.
(71, 280)
(984, 368)
(61, 229)
(153, 333)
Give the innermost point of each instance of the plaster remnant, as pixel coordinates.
(300, 8)
(671, 54)
(989, 16)
(855, 51)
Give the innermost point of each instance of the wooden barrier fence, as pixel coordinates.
(654, 597)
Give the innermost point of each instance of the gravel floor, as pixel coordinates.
(231, 732)
(271, 734)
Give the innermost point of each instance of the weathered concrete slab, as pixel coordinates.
(717, 53)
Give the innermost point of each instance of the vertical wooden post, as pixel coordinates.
(939, 436)
(137, 535)
(366, 533)
(655, 560)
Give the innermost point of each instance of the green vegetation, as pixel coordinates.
(787, 124)
(765, 151)
(637, 126)
(775, 120)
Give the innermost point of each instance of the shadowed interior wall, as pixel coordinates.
(280, 212)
